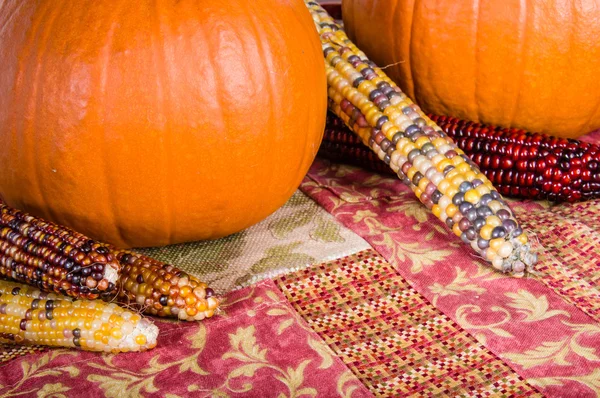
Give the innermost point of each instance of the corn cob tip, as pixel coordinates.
(521, 261)
(145, 332)
(161, 289)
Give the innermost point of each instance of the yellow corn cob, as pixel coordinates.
(28, 316)
(443, 178)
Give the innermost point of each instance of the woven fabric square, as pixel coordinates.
(9, 352)
(570, 234)
(390, 336)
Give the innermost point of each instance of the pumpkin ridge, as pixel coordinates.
(15, 11)
(522, 44)
(105, 59)
(310, 146)
(267, 64)
(476, 50)
(33, 105)
(587, 126)
(163, 100)
(306, 115)
(218, 98)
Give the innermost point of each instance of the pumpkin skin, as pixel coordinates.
(531, 64)
(158, 123)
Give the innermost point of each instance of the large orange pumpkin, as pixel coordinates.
(155, 122)
(517, 63)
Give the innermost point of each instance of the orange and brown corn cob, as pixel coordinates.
(29, 316)
(443, 178)
(161, 289)
(54, 258)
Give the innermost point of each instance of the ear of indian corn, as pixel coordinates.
(443, 178)
(57, 259)
(29, 316)
(162, 289)
(54, 258)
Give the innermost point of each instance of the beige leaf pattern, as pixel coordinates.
(38, 369)
(421, 256)
(53, 390)
(556, 352)
(534, 308)
(245, 349)
(284, 325)
(244, 346)
(548, 352)
(324, 351)
(418, 255)
(463, 312)
(344, 390)
(592, 381)
(412, 209)
(459, 285)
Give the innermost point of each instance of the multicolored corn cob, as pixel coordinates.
(529, 165)
(54, 258)
(28, 316)
(424, 157)
(161, 289)
(58, 259)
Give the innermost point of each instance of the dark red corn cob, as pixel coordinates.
(529, 165)
(344, 153)
(520, 164)
(342, 145)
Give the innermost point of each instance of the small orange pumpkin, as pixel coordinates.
(157, 122)
(531, 64)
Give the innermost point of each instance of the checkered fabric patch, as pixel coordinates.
(391, 337)
(9, 352)
(570, 233)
